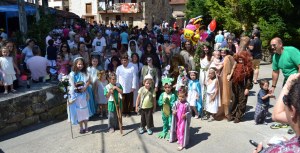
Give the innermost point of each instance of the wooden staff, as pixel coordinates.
(119, 115)
(68, 105)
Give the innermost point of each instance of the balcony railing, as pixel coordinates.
(120, 8)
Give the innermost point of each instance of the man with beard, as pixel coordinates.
(241, 84)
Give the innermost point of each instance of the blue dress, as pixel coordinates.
(78, 110)
(194, 90)
(90, 103)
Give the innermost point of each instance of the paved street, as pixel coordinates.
(206, 137)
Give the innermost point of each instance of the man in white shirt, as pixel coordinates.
(126, 76)
(99, 44)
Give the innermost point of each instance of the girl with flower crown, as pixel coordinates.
(79, 81)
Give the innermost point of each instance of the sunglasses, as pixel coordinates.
(273, 45)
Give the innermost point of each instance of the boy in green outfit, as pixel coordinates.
(113, 91)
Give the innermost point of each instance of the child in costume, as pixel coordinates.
(62, 65)
(213, 100)
(216, 62)
(7, 66)
(194, 94)
(79, 81)
(146, 104)
(166, 100)
(113, 91)
(263, 102)
(99, 93)
(92, 71)
(182, 78)
(180, 128)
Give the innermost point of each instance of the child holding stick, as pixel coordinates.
(113, 92)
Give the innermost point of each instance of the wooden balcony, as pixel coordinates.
(177, 2)
(121, 8)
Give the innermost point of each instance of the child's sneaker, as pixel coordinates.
(111, 130)
(149, 132)
(265, 123)
(5, 92)
(141, 130)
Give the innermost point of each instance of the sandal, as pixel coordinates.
(279, 125)
(291, 131)
(81, 131)
(179, 148)
(276, 126)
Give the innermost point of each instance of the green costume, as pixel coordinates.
(166, 101)
(116, 96)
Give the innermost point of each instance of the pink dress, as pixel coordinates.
(180, 128)
(181, 110)
(63, 67)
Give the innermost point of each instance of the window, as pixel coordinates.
(118, 18)
(130, 22)
(88, 8)
(106, 20)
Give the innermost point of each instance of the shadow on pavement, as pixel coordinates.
(196, 137)
(28, 129)
(98, 128)
(133, 127)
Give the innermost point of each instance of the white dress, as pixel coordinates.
(212, 107)
(204, 63)
(82, 108)
(93, 74)
(192, 93)
(8, 72)
(101, 97)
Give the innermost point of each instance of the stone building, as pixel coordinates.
(59, 4)
(133, 12)
(178, 8)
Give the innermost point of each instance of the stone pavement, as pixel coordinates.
(212, 137)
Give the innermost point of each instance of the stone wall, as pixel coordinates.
(31, 108)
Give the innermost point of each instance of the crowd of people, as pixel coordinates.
(117, 72)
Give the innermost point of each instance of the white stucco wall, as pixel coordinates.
(55, 4)
(78, 7)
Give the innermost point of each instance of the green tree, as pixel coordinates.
(195, 8)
